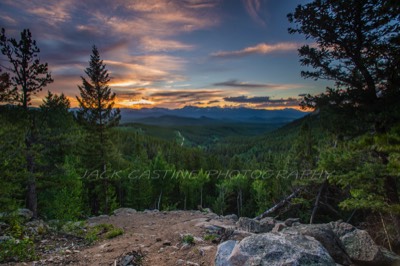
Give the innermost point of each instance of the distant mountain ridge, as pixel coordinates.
(197, 115)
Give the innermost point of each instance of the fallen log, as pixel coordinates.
(278, 205)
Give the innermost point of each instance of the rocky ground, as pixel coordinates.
(150, 238)
(203, 238)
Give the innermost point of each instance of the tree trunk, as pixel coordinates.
(238, 204)
(31, 202)
(106, 196)
(159, 200)
(31, 197)
(316, 204)
(392, 196)
(201, 197)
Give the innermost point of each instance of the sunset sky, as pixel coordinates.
(170, 53)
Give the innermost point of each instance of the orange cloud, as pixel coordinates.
(153, 44)
(145, 70)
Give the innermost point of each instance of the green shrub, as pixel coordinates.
(210, 237)
(17, 250)
(75, 228)
(91, 236)
(100, 231)
(188, 239)
(114, 233)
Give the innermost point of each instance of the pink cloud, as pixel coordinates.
(262, 48)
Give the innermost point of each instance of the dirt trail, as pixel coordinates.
(156, 235)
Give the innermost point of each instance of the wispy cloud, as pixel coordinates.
(153, 44)
(201, 3)
(236, 83)
(283, 103)
(262, 101)
(253, 8)
(188, 94)
(246, 99)
(262, 48)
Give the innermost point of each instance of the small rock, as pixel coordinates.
(231, 217)
(180, 262)
(158, 239)
(105, 245)
(207, 210)
(198, 239)
(278, 227)
(67, 251)
(291, 221)
(126, 260)
(37, 227)
(167, 243)
(24, 213)
(206, 248)
(185, 246)
(124, 211)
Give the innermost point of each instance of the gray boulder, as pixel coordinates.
(363, 250)
(254, 226)
(360, 247)
(37, 227)
(325, 235)
(346, 244)
(223, 252)
(273, 249)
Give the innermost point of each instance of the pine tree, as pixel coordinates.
(26, 76)
(98, 116)
(356, 45)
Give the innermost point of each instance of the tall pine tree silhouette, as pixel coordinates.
(98, 116)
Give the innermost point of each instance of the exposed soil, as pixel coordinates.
(151, 238)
